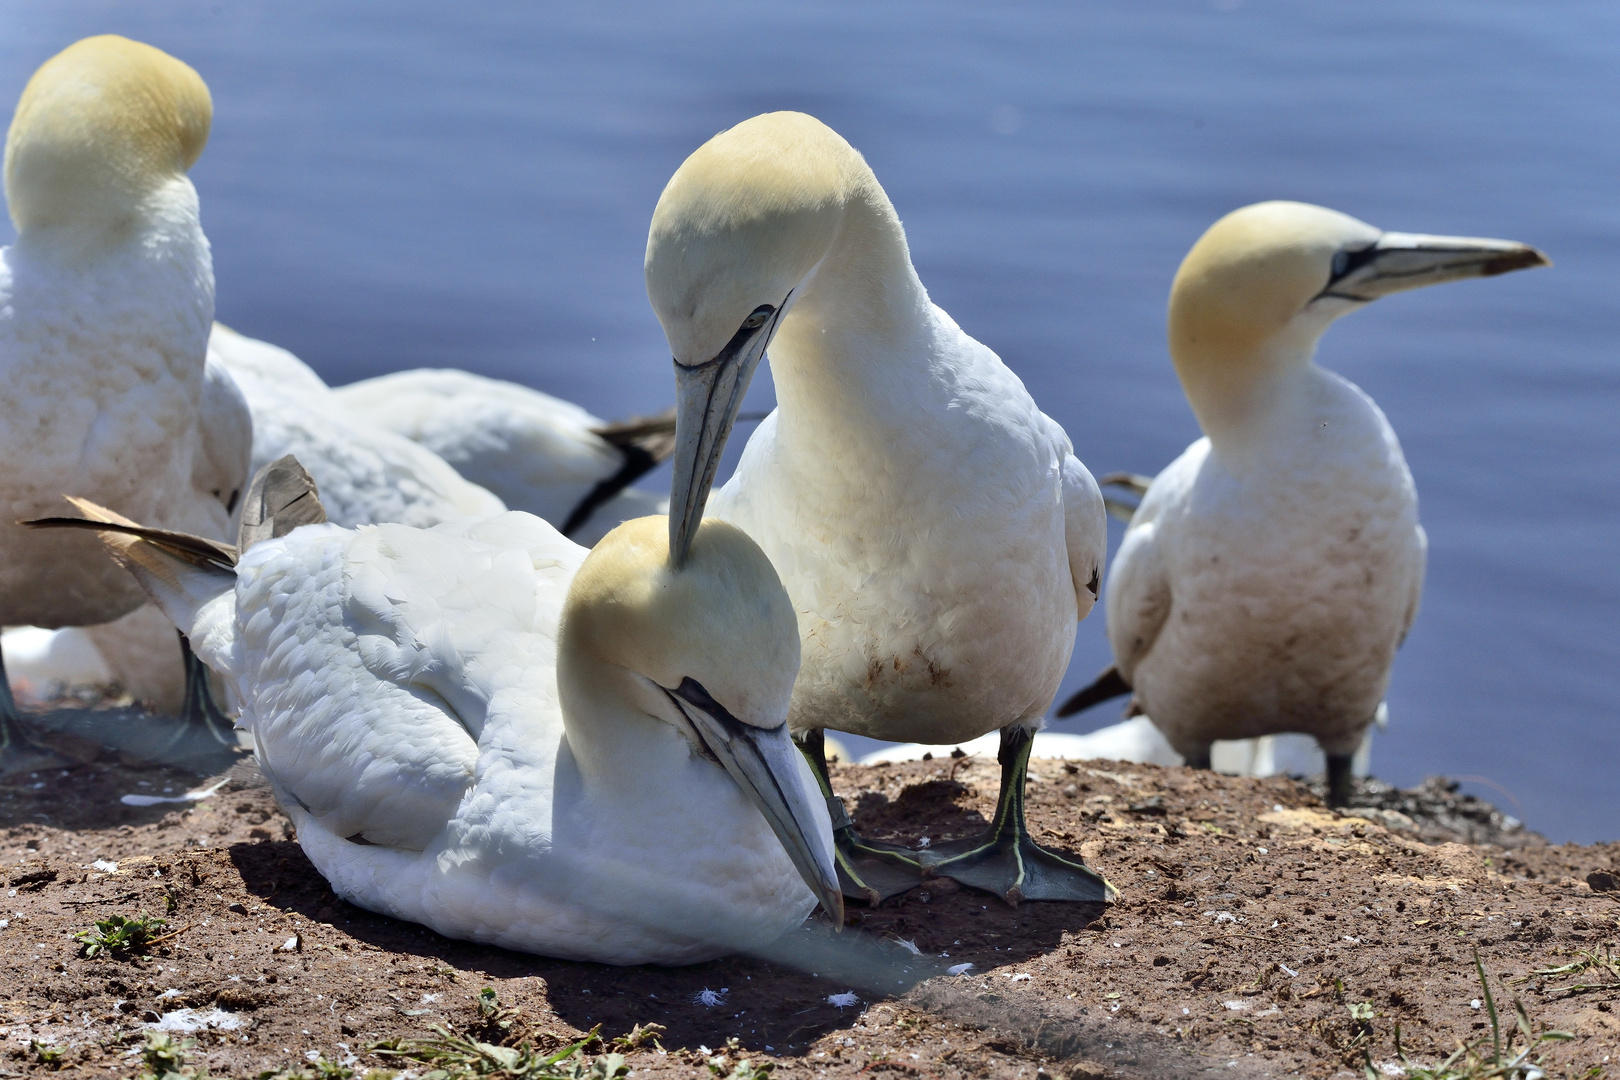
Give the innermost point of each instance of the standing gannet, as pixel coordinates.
(367, 475)
(484, 728)
(1272, 570)
(537, 452)
(105, 303)
(936, 532)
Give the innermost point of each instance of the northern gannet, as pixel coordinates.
(1272, 570)
(537, 452)
(367, 475)
(105, 303)
(936, 532)
(485, 728)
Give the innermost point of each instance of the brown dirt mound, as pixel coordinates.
(1257, 935)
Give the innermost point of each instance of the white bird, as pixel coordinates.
(537, 452)
(367, 474)
(1273, 569)
(935, 530)
(487, 729)
(105, 303)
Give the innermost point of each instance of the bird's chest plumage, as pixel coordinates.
(100, 375)
(1291, 584)
(928, 570)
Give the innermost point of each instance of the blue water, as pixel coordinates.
(416, 184)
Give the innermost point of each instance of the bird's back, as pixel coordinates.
(378, 668)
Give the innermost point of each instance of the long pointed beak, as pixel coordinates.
(767, 766)
(707, 398)
(1401, 261)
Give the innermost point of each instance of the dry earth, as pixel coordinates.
(1257, 935)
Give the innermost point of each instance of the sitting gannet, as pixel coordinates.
(936, 532)
(105, 303)
(1272, 570)
(484, 728)
(536, 452)
(367, 474)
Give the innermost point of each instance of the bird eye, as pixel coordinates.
(757, 319)
(1341, 263)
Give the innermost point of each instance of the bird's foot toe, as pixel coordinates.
(1015, 868)
(873, 871)
(21, 751)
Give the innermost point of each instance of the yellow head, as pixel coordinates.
(742, 222)
(722, 620)
(710, 648)
(102, 126)
(1258, 289)
(1253, 273)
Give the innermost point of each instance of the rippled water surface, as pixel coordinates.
(407, 184)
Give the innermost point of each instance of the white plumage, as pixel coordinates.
(536, 452)
(445, 717)
(935, 530)
(1273, 569)
(105, 303)
(366, 474)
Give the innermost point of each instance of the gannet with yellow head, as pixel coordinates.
(1273, 569)
(487, 729)
(936, 532)
(105, 302)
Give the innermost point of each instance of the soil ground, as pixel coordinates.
(1257, 934)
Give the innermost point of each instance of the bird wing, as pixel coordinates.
(1139, 590)
(1138, 601)
(1085, 521)
(537, 452)
(366, 474)
(1420, 539)
(369, 662)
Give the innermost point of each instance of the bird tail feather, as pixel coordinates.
(1110, 684)
(180, 572)
(1136, 484)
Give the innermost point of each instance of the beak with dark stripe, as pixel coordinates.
(767, 766)
(707, 398)
(1396, 262)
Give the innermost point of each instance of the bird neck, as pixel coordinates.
(1243, 400)
(861, 324)
(612, 732)
(80, 230)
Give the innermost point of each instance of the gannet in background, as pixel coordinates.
(1272, 570)
(538, 453)
(936, 532)
(484, 728)
(367, 475)
(105, 303)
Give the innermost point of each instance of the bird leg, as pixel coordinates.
(868, 870)
(1003, 859)
(19, 751)
(1339, 779)
(1198, 760)
(200, 717)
